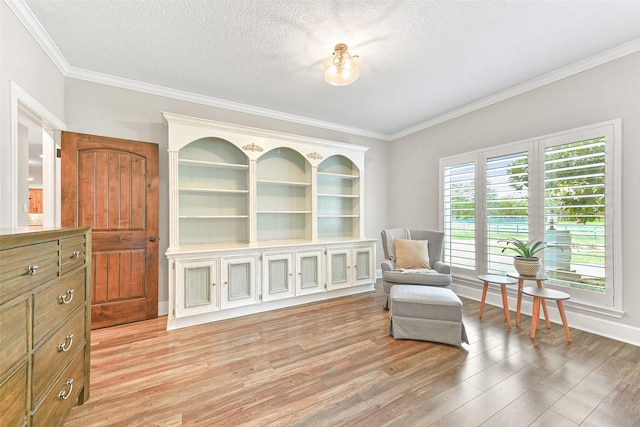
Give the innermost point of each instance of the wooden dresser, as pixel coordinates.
(45, 324)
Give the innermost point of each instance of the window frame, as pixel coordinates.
(610, 302)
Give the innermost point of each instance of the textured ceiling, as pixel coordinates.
(419, 59)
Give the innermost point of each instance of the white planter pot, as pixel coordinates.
(527, 266)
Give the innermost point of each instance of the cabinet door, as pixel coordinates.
(238, 277)
(363, 268)
(197, 290)
(309, 278)
(339, 268)
(277, 276)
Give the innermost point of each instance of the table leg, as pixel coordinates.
(535, 316)
(484, 296)
(564, 320)
(544, 307)
(505, 305)
(520, 283)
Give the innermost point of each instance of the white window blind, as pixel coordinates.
(575, 213)
(563, 189)
(507, 206)
(459, 212)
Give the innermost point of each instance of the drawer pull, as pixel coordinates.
(33, 269)
(75, 254)
(64, 396)
(63, 298)
(68, 339)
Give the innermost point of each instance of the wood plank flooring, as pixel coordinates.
(333, 363)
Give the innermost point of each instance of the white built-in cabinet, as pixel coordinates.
(261, 220)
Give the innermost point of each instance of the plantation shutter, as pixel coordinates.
(459, 205)
(507, 206)
(575, 214)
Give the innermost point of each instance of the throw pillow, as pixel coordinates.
(412, 253)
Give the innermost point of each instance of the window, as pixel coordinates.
(459, 195)
(507, 205)
(559, 189)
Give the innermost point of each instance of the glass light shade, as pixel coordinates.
(341, 68)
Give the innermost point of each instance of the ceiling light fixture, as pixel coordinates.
(341, 68)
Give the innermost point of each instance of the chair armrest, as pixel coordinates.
(441, 267)
(387, 265)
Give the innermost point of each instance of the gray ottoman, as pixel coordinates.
(426, 313)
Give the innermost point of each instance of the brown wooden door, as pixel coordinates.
(35, 200)
(111, 185)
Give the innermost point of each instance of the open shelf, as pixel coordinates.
(338, 198)
(283, 195)
(201, 163)
(213, 193)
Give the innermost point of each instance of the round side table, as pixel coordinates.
(503, 281)
(539, 279)
(539, 296)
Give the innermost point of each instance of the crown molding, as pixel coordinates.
(24, 14)
(31, 23)
(106, 79)
(617, 52)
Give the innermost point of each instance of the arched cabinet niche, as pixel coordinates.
(283, 196)
(260, 220)
(338, 198)
(213, 193)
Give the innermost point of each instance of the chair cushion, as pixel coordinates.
(412, 253)
(417, 278)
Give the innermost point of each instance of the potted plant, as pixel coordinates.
(525, 262)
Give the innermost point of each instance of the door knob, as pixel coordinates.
(152, 239)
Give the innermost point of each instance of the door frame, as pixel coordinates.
(21, 100)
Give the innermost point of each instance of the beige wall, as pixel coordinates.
(105, 110)
(606, 92)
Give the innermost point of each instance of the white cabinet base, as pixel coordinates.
(216, 283)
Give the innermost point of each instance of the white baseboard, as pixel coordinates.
(577, 319)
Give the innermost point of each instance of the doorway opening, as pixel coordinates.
(36, 168)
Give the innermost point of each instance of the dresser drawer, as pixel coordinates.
(53, 305)
(23, 268)
(56, 352)
(73, 253)
(14, 325)
(13, 399)
(59, 399)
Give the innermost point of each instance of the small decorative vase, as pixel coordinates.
(527, 266)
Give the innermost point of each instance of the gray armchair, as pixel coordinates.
(440, 274)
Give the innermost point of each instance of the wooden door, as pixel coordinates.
(111, 185)
(35, 200)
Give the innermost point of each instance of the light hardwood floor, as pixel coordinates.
(332, 363)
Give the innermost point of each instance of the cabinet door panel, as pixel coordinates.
(339, 268)
(14, 399)
(277, 276)
(238, 281)
(363, 268)
(309, 278)
(198, 292)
